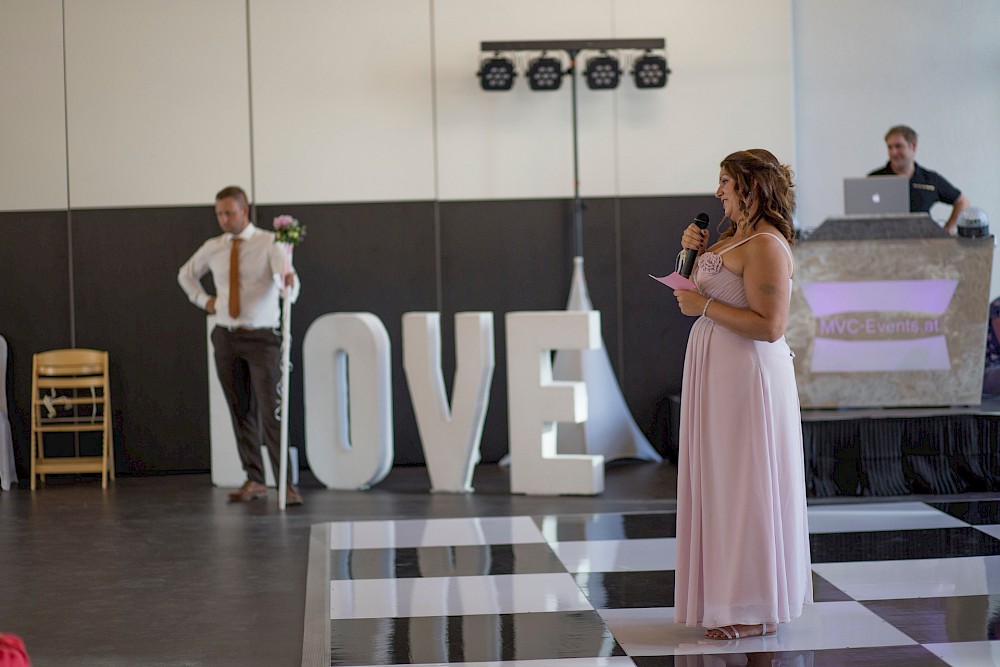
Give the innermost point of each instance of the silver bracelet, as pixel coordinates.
(705, 309)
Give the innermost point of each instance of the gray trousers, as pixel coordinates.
(248, 362)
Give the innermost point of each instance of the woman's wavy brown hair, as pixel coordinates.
(765, 189)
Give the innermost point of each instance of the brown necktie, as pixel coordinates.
(234, 279)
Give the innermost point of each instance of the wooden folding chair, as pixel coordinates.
(70, 393)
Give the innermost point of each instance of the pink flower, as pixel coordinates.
(284, 222)
(709, 263)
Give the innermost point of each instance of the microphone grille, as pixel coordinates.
(701, 220)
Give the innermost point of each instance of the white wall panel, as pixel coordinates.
(519, 143)
(158, 101)
(342, 100)
(32, 109)
(860, 72)
(730, 89)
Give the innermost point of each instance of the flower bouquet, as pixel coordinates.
(288, 230)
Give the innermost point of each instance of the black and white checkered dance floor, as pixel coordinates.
(901, 584)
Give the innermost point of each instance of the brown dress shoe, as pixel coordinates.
(249, 491)
(292, 496)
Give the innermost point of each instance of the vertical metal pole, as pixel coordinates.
(71, 287)
(286, 367)
(577, 204)
(286, 348)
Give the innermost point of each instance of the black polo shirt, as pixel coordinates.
(926, 187)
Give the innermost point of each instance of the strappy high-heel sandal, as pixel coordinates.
(732, 632)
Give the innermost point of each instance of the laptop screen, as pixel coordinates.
(877, 195)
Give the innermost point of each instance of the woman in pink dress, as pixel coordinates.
(742, 539)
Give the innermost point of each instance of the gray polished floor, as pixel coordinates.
(164, 571)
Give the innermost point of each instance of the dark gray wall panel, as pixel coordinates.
(655, 331)
(505, 256)
(385, 258)
(601, 260)
(128, 302)
(34, 305)
(500, 257)
(377, 258)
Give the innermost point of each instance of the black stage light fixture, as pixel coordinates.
(650, 71)
(545, 73)
(496, 73)
(602, 72)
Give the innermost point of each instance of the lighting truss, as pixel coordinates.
(603, 71)
(545, 73)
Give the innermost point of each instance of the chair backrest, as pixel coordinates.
(88, 367)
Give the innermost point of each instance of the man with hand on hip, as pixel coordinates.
(249, 271)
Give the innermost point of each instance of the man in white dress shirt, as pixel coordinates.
(249, 271)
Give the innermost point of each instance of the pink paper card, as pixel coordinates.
(676, 281)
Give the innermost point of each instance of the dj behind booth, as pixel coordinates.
(888, 327)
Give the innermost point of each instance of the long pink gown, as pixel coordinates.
(742, 534)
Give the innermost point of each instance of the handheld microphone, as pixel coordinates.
(687, 257)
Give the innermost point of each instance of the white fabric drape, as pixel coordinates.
(8, 474)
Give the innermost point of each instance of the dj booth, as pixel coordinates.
(888, 325)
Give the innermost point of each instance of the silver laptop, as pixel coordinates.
(877, 195)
